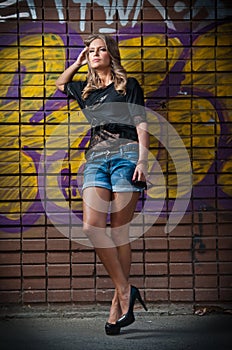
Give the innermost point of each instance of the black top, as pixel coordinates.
(112, 115)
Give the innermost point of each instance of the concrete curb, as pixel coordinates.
(88, 311)
(102, 310)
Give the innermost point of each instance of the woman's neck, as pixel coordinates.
(105, 77)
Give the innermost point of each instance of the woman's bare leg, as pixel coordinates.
(119, 220)
(94, 225)
(112, 257)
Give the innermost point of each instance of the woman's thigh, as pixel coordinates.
(123, 207)
(96, 201)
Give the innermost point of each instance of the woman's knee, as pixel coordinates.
(92, 228)
(120, 234)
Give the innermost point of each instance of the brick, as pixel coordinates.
(99, 24)
(178, 295)
(225, 243)
(181, 230)
(137, 281)
(156, 269)
(206, 295)
(104, 283)
(58, 270)
(137, 269)
(34, 258)
(180, 269)
(207, 255)
(58, 258)
(10, 297)
(224, 217)
(83, 270)
(206, 281)
(10, 258)
(207, 230)
(83, 257)
(225, 268)
(137, 244)
(180, 256)
(156, 295)
(34, 283)
(33, 244)
(156, 231)
(10, 271)
(83, 283)
(34, 232)
(206, 268)
(225, 255)
(87, 295)
(58, 244)
(58, 296)
(225, 294)
(156, 282)
(10, 245)
(155, 244)
(183, 282)
(156, 256)
(104, 295)
(34, 270)
(137, 256)
(180, 243)
(59, 283)
(207, 217)
(52, 232)
(10, 284)
(100, 270)
(34, 296)
(226, 281)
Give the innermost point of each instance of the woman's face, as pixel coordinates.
(99, 57)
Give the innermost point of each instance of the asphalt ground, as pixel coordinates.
(84, 330)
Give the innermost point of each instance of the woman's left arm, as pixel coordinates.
(144, 140)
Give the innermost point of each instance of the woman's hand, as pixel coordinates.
(82, 59)
(68, 74)
(140, 172)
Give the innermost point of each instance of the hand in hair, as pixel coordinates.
(81, 59)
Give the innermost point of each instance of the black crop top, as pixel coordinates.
(112, 116)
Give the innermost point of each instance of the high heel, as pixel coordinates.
(112, 328)
(129, 317)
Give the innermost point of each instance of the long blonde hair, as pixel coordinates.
(118, 72)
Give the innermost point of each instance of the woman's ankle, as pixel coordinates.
(115, 312)
(124, 292)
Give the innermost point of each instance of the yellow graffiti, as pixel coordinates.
(36, 83)
(211, 64)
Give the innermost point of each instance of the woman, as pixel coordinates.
(116, 166)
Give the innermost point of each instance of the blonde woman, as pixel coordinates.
(116, 163)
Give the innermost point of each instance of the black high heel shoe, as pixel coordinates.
(129, 317)
(112, 328)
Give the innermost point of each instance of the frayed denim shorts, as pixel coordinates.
(112, 169)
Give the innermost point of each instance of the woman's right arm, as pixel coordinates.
(68, 74)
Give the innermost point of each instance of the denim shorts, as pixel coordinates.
(113, 169)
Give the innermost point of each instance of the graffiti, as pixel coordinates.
(186, 94)
(127, 12)
(39, 115)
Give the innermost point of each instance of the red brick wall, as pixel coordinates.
(181, 54)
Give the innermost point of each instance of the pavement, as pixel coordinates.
(82, 328)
